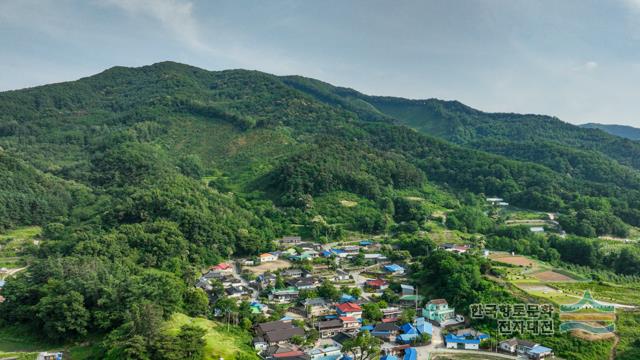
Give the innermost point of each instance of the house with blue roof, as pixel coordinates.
(467, 339)
(539, 352)
(394, 269)
(424, 327)
(527, 348)
(388, 357)
(368, 328)
(409, 334)
(410, 354)
(344, 298)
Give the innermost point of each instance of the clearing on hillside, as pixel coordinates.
(537, 287)
(513, 260)
(591, 337)
(220, 343)
(552, 276)
(348, 203)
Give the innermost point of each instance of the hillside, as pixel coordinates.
(142, 177)
(240, 127)
(624, 131)
(568, 150)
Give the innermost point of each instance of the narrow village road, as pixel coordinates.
(474, 352)
(436, 343)
(236, 274)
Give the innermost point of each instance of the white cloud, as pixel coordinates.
(212, 40)
(586, 67)
(175, 15)
(633, 4)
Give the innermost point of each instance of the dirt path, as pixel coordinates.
(614, 348)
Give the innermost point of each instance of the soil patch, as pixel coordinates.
(552, 276)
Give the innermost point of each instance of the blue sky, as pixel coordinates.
(578, 60)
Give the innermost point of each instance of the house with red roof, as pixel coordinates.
(378, 284)
(222, 267)
(349, 323)
(349, 309)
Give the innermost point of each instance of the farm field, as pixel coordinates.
(552, 276)
(628, 294)
(537, 278)
(13, 242)
(514, 260)
(547, 292)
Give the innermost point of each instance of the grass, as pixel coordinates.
(27, 232)
(554, 297)
(12, 243)
(616, 293)
(20, 341)
(17, 338)
(19, 355)
(220, 343)
(524, 278)
(628, 327)
(523, 215)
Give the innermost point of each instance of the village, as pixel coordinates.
(319, 300)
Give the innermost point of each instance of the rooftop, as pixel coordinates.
(377, 282)
(438, 302)
(348, 307)
(539, 349)
(221, 266)
(394, 268)
(330, 324)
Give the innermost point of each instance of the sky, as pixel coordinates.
(577, 60)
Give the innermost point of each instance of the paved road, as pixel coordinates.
(475, 352)
(436, 344)
(360, 280)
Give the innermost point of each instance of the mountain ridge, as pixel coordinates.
(625, 131)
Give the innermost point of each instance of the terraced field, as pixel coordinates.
(13, 246)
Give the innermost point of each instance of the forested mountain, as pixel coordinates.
(571, 151)
(142, 176)
(624, 131)
(462, 124)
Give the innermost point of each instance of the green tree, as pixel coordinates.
(63, 313)
(191, 342)
(328, 291)
(363, 347)
(196, 302)
(371, 311)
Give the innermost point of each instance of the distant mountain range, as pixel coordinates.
(624, 131)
